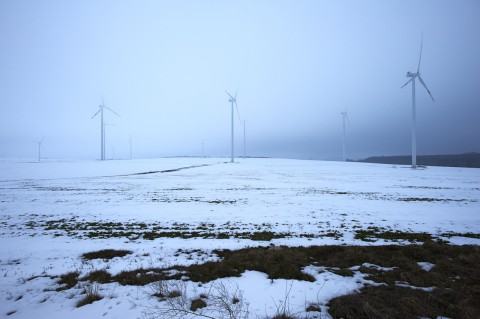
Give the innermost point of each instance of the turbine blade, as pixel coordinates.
(407, 82)
(236, 94)
(230, 95)
(238, 112)
(425, 86)
(420, 58)
(96, 113)
(111, 110)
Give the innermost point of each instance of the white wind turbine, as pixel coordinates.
(244, 140)
(233, 100)
(39, 147)
(102, 128)
(414, 119)
(345, 118)
(130, 146)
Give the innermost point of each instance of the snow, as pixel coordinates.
(406, 285)
(426, 265)
(279, 195)
(377, 267)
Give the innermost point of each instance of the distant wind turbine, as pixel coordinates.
(130, 146)
(39, 147)
(102, 128)
(233, 100)
(412, 77)
(104, 139)
(344, 117)
(244, 140)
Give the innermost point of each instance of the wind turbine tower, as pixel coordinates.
(39, 147)
(233, 100)
(345, 118)
(412, 77)
(130, 146)
(244, 140)
(102, 128)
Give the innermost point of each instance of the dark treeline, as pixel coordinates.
(454, 160)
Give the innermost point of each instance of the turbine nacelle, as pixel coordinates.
(232, 99)
(412, 75)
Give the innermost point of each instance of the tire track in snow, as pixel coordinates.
(170, 170)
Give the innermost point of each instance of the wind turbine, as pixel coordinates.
(39, 147)
(102, 128)
(412, 77)
(233, 100)
(244, 141)
(344, 117)
(130, 146)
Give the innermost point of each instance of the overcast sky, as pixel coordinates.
(164, 67)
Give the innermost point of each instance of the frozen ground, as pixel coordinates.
(54, 211)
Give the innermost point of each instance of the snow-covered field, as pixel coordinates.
(53, 211)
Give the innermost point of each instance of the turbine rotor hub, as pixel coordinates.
(411, 75)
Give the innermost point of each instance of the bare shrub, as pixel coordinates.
(228, 302)
(220, 301)
(91, 295)
(283, 307)
(159, 289)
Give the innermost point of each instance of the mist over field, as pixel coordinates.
(164, 68)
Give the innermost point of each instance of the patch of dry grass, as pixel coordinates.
(455, 276)
(106, 254)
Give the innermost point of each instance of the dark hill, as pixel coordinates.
(454, 160)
